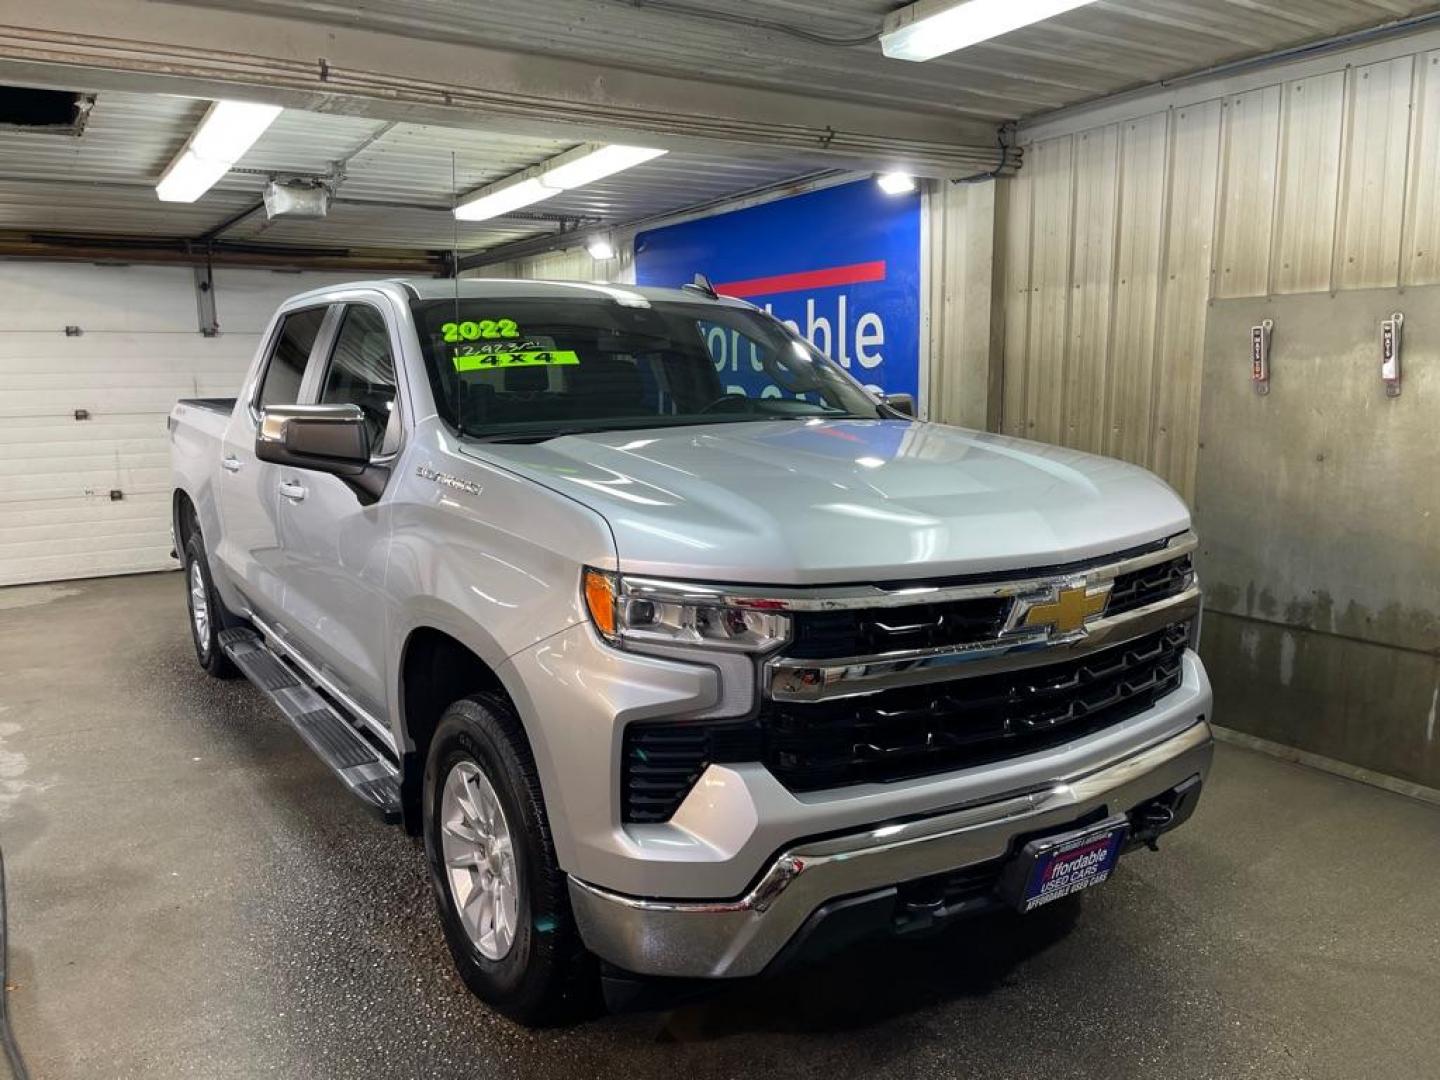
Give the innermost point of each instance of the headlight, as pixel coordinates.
(630, 610)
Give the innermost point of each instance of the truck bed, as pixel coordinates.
(223, 405)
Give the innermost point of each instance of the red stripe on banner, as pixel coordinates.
(853, 274)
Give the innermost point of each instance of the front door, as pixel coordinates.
(334, 547)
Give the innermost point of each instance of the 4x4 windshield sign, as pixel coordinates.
(528, 358)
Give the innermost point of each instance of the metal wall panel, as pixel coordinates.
(1372, 204)
(1330, 181)
(1247, 207)
(961, 375)
(1185, 288)
(1420, 249)
(1019, 253)
(1052, 179)
(1144, 164)
(1086, 374)
(1310, 141)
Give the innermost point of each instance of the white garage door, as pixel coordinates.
(89, 497)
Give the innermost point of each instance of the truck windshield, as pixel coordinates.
(533, 369)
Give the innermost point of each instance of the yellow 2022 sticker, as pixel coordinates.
(477, 329)
(529, 358)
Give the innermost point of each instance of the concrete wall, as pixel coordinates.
(1319, 512)
(1144, 227)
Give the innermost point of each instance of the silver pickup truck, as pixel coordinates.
(689, 657)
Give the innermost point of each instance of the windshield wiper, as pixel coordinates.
(535, 435)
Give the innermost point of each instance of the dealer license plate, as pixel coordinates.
(1054, 866)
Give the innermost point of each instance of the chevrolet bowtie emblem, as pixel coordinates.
(1068, 613)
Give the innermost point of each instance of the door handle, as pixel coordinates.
(293, 492)
(230, 464)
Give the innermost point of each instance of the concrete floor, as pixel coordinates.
(191, 894)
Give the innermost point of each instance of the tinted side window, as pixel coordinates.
(292, 351)
(362, 369)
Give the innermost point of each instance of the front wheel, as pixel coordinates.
(502, 897)
(206, 612)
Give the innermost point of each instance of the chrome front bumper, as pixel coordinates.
(735, 938)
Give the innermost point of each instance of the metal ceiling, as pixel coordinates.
(1100, 49)
(393, 182)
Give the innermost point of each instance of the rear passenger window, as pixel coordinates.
(362, 371)
(292, 351)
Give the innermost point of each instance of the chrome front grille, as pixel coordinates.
(872, 631)
(888, 682)
(916, 730)
(906, 732)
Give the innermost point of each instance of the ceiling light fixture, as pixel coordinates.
(895, 183)
(600, 249)
(492, 202)
(572, 169)
(596, 165)
(229, 129)
(931, 28)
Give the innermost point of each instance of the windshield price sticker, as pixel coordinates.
(529, 358)
(528, 345)
(475, 329)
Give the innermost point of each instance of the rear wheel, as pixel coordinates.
(207, 614)
(502, 897)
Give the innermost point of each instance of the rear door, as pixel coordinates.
(333, 546)
(249, 548)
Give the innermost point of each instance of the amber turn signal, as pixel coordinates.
(600, 599)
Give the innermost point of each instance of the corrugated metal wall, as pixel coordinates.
(1117, 236)
(574, 264)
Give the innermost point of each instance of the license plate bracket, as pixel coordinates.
(1062, 864)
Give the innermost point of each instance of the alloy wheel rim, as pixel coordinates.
(199, 607)
(479, 860)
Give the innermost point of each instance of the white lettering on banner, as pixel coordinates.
(817, 330)
(824, 330)
(869, 330)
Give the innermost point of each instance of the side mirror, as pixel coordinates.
(904, 404)
(327, 438)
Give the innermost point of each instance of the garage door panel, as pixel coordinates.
(52, 296)
(31, 431)
(95, 462)
(91, 563)
(140, 536)
(154, 401)
(138, 350)
(245, 300)
(51, 539)
(74, 359)
(82, 480)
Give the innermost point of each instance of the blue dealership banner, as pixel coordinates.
(841, 266)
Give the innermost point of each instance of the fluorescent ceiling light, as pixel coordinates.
(597, 165)
(229, 129)
(504, 200)
(572, 169)
(600, 249)
(933, 28)
(895, 183)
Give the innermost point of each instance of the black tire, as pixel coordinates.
(546, 977)
(207, 644)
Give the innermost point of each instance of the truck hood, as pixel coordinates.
(816, 502)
